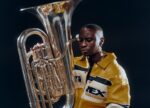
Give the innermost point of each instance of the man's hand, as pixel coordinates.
(37, 51)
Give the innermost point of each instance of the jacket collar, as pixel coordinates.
(104, 62)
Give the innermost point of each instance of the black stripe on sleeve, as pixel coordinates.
(100, 80)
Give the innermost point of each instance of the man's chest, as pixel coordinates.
(94, 83)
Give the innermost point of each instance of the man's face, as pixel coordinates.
(88, 43)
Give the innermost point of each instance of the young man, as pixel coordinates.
(100, 81)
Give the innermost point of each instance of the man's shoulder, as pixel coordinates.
(107, 59)
(116, 68)
(112, 62)
(81, 61)
(78, 57)
(110, 54)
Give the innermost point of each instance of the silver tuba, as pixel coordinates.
(47, 70)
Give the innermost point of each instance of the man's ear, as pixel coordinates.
(77, 37)
(101, 41)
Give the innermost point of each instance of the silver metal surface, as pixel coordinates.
(47, 67)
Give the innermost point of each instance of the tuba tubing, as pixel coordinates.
(47, 70)
(24, 60)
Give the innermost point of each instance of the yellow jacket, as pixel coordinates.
(106, 86)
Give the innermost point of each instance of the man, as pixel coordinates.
(100, 81)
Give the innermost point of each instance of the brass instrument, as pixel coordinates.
(47, 70)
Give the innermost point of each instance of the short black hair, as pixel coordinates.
(93, 26)
(96, 28)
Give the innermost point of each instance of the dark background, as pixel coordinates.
(126, 25)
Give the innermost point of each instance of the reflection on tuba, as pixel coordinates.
(47, 70)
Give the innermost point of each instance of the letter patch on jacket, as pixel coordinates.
(96, 89)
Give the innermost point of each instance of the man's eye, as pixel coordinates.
(89, 39)
(86, 39)
(81, 39)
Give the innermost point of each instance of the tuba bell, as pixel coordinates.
(47, 70)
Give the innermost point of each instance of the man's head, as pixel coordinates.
(90, 39)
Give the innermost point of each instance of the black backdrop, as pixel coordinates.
(126, 25)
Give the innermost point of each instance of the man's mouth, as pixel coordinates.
(83, 50)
